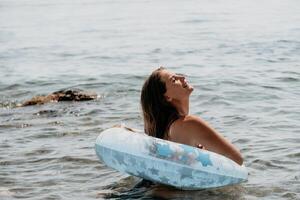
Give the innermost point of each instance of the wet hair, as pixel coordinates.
(158, 113)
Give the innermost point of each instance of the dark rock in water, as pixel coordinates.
(74, 95)
(62, 95)
(40, 100)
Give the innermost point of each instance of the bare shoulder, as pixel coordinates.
(186, 122)
(193, 130)
(185, 128)
(192, 122)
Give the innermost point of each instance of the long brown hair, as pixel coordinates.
(158, 113)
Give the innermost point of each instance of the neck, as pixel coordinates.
(182, 106)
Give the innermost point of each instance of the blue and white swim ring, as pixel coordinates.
(166, 162)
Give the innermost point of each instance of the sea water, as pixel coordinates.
(242, 57)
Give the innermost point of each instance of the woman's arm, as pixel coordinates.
(193, 130)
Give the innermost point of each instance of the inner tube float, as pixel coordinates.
(161, 161)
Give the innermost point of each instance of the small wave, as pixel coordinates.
(64, 159)
(242, 141)
(288, 79)
(11, 87)
(156, 51)
(261, 190)
(41, 160)
(288, 41)
(195, 21)
(77, 160)
(271, 87)
(22, 125)
(47, 113)
(94, 112)
(39, 152)
(54, 133)
(294, 155)
(264, 164)
(290, 195)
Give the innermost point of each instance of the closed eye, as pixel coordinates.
(173, 79)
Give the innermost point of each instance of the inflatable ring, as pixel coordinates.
(166, 162)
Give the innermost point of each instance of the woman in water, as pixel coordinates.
(165, 105)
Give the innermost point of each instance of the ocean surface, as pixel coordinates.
(242, 57)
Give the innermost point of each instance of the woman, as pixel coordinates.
(165, 105)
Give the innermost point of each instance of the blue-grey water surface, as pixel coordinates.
(242, 57)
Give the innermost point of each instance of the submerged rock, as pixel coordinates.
(62, 95)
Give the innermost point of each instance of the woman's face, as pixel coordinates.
(176, 85)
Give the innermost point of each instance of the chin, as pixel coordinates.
(190, 89)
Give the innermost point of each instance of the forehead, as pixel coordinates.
(165, 75)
